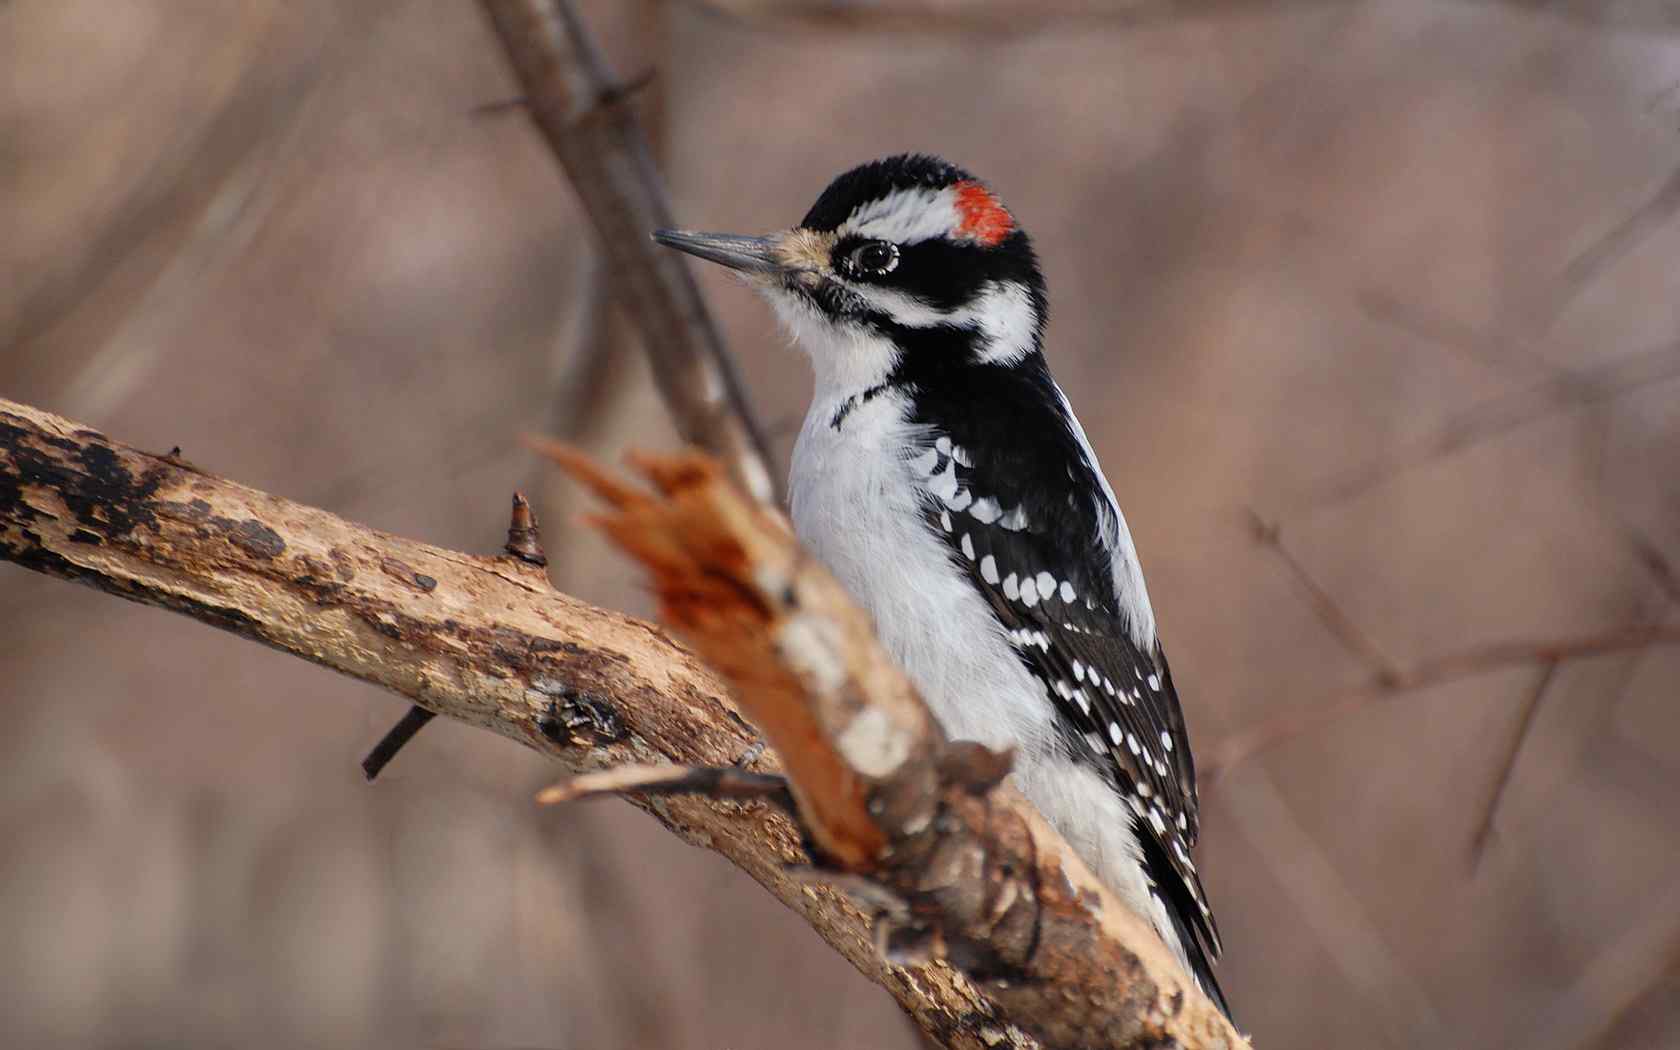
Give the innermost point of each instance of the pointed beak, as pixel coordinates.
(746, 254)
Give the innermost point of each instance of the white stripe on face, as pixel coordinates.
(1008, 321)
(1003, 312)
(906, 217)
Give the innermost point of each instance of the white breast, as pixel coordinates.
(857, 505)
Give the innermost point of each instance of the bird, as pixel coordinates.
(941, 475)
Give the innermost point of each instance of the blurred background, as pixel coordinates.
(1399, 281)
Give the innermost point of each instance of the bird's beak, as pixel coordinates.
(750, 255)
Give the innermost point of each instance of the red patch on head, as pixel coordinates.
(982, 216)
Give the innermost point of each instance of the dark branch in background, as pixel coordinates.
(1386, 682)
(1531, 707)
(583, 114)
(1560, 389)
(1352, 637)
(1620, 239)
(1495, 350)
(1566, 389)
(1655, 562)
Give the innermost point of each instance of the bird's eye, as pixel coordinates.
(872, 258)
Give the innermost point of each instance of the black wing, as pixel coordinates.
(1023, 518)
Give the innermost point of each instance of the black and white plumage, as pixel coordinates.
(942, 476)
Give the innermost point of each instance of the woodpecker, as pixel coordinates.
(942, 476)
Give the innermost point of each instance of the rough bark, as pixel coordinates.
(486, 640)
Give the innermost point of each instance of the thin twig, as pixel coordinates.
(395, 740)
(1656, 564)
(1388, 678)
(1495, 656)
(1485, 349)
(1352, 637)
(710, 781)
(1450, 667)
(1484, 829)
(1565, 390)
(1619, 240)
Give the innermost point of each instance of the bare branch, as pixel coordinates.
(1566, 389)
(581, 109)
(1656, 564)
(487, 641)
(1619, 240)
(1388, 678)
(1425, 674)
(1484, 829)
(1341, 626)
(1489, 349)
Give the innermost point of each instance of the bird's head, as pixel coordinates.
(907, 255)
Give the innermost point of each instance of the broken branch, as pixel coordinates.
(487, 641)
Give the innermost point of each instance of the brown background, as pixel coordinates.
(1401, 276)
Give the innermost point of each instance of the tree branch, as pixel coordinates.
(487, 641)
(580, 108)
(1564, 390)
(1426, 674)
